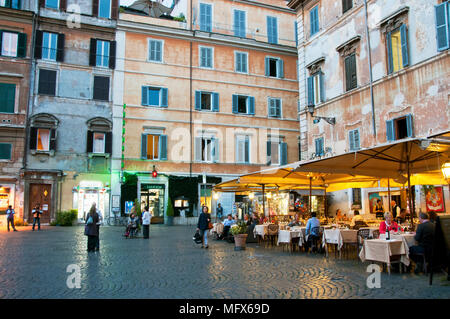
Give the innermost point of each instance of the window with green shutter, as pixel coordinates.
(274, 107)
(5, 151)
(7, 97)
(442, 26)
(346, 5)
(314, 20)
(350, 72)
(155, 96)
(397, 48)
(353, 137)
(272, 30)
(13, 44)
(319, 146)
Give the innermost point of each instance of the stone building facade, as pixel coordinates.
(214, 95)
(380, 68)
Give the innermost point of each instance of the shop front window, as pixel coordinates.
(4, 198)
(152, 195)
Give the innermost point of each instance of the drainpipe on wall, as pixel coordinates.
(370, 72)
(190, 94)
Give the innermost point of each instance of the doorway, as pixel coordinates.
(42, 194)
(153, 196)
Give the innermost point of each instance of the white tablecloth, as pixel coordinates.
(381, 250)
(260, 230)
(339, 236)
(285, 236)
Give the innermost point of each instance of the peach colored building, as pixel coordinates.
(214, 95)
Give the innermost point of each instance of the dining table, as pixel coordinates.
(338, 237)
(385, 251)
(261, 230)
(371, 230)
(286, 235)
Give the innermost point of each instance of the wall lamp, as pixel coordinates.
(329, 120)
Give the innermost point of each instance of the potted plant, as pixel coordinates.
(240, 235)
(169, 213)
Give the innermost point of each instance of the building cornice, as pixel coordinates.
(200, 36)
(16, 15)
(264, 5)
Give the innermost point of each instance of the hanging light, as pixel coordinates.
(216, 195)
(251, 195)
(446, 171)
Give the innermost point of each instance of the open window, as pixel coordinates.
(400, 128)
(99, 137)
(43, 128)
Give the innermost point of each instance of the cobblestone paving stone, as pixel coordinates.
(170, 265)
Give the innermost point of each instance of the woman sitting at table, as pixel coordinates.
(388, 224)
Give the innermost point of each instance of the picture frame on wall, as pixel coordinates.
(373, 198)
(434, 198)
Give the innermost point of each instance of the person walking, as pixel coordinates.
(100, 221)
(146, 219)
(37, 212)
(10, 217)
(91, 228)
(203, 222)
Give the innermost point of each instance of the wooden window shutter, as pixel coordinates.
(89, 141)
(108, 142)
(33, 138)
(144, 146)
(22, 45)
(404, 40)
(442, 26)
(114, 9)
(95, 8)
(53, 139)
(163, 147)
(93, 52)
(144, 95)
(38, 45)
(112, 54)
(60, 49)
(283, 159)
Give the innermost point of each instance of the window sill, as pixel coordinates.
(37, 152)
(105, 155)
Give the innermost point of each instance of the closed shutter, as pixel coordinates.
(144, 146)
(278, 105)
(108, 143)
(280, 68)
(353, 79)
(269, 152)
(112, 55)
(144, 95)
(22, 45)
(89, 142)
(350, 72)
(409, 125)
(198, 100)
(215, 102)
(8, 97)
(351, 140)
(283, 160)
(101, 88)
(251, 105)
(235, 103)
(198, 149)
(237, 31)
(53, 139)
(404, 39)
(389, 49)
(319, 146)
(346, 5)
(442, 26)
(163, 147)
(47, 82)
(115, 9)
(314, 20)
(93, 52)
(33, 138)
(311, 90)
(5, 151)
(390, 131)
(95, 8)
(164, 97)
(38, 45)
(60, 48)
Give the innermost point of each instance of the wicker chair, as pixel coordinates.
(272, 233)
(362, 235)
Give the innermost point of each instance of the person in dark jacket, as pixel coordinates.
(91, 229)
(203, 221)
(424, 237)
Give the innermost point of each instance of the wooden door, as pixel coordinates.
(42, 194)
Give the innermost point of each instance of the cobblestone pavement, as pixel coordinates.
(170, 265)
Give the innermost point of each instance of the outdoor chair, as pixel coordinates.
(272, 233)
(376, 234)
(362, 235)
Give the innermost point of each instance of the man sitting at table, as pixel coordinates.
(388, 224)
(424, 237)
(312, 230)
(356, 218)
(227, 224)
